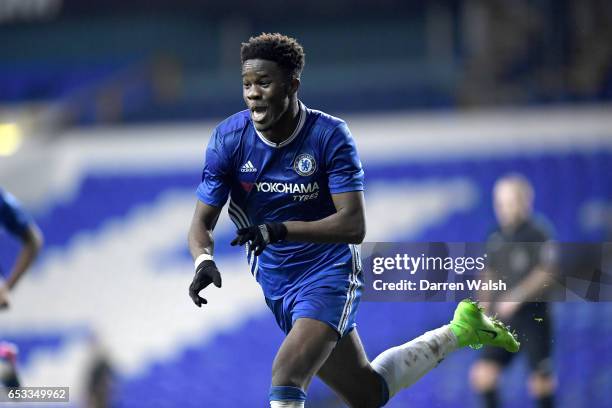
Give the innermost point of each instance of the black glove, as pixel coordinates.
(206, 273)
(259, 236)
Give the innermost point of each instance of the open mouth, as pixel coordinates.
(259, 113)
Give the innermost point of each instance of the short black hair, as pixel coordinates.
(283, 50)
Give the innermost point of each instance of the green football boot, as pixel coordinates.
(473, 328)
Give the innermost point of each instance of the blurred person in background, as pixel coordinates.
(18, 223)
(100, 378)
(527, 268)
(8, 365)
(295, 184)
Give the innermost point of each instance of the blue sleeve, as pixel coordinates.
(342, 162)
(12, 217)
(215, 186)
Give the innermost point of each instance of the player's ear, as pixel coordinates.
(294, 85)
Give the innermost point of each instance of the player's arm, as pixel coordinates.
(212, 193)
(346, 225)
(200, 232)
(32, 240)
(533, 286)
(201, 246)
(19, 224)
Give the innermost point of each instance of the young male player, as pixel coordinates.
(18, 223)
(295, 184)
(516, 252)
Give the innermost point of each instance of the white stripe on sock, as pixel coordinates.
(286, 404)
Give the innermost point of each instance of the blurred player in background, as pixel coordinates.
(527, 268)
(295, 184)
(100, 378)
(18, 223)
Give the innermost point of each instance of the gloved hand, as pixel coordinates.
(205, 274)
(259, 236)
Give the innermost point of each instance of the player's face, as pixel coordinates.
(511, 205)
(266, 91)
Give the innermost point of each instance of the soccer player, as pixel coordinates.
(18, 223)
(527, 268)
(295, 184)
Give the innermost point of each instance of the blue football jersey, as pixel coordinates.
(12, 217)
(290, 181)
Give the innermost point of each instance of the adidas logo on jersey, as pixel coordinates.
(248, 167)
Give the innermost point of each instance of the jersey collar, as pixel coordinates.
(296, 132)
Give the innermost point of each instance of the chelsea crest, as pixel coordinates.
(305, 165)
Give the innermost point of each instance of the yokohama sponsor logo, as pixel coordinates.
(287, 188)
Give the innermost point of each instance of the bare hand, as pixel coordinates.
(4, 297)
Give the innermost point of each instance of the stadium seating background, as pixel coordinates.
(105, 109)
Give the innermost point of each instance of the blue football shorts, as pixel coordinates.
(329, 298)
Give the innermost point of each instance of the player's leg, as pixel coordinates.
(486, 371)
(303, 352)
(542, 382)
(542, 386)
(362, 384)
(402, 366)
(314, 315)
(348, 372)
(484, 378)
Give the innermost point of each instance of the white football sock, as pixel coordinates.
(403, 365)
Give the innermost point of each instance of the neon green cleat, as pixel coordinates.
(473, 328)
